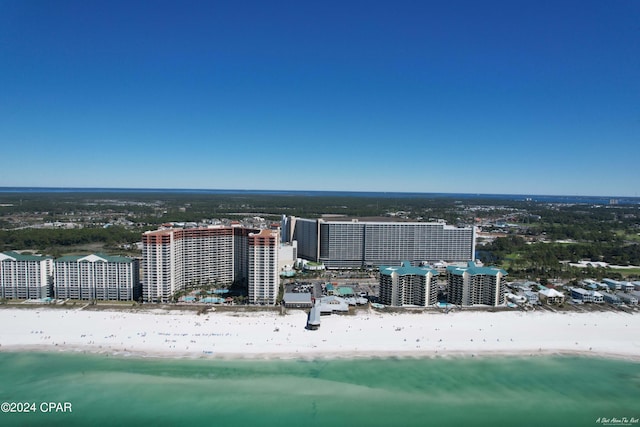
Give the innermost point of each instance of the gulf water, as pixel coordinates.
(495, 391)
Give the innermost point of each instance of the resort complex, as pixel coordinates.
(91, 277)
(97, 277)
(472, 285)
(361, 244)
(255, 262)
(407, 285)
(174, 259)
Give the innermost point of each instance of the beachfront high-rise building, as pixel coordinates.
(264, 279)
(25, 276)
(473, 285)
(174, 259)
(358, 244)
(97, 277)
(407, 285)
(305, 232)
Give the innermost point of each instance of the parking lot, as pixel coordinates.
(367, 289)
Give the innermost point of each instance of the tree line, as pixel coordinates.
(521, 258)
(41, 238)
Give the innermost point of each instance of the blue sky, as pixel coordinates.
(534, 97)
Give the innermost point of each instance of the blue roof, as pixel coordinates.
(407, 269)
(345, 290)
(475, 270)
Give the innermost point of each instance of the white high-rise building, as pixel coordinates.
(408, 285)
(264, 277)
(473, 285)
(177, 258)
(25, 276)
(358, 244)
(97, 277)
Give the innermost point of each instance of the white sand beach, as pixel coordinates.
(270, 335)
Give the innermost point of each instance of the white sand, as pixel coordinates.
(270, 335)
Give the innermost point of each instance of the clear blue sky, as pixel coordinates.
(535, 97)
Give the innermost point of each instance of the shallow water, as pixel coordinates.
(491, 391)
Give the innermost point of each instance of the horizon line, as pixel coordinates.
(3, 189)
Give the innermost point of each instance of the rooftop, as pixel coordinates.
(297, 297)
(94, 258)
(407, 269)
(475, 270)
(15, 256)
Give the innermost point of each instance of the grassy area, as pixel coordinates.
(627, 272)
(509, 260)
(630, 237)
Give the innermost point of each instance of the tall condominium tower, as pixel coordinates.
(475, 285)
(97, 276)
(263, 267)
(176, 258)
(25, 276)
(407, 285)
(357, 244)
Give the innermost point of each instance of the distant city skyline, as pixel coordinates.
(492, 97)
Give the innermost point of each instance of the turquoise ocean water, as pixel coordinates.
(496, 391)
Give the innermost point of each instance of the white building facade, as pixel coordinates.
(408, 286)
(97, 277)
(473, 285)
(264, 277)
(175, 259)
(25, 276)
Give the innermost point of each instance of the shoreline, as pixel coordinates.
(270, 336)
(267, 357)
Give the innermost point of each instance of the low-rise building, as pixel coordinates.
(628, 298)
(597, 297)
(590, 284)
(635, 294)
(346, 291)
(614, 285)
(611, 298)
(332, 304)
(585, 295)
(532, 297)
(298, 300)
(516, 299)
(627, 287)
(551, 296)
